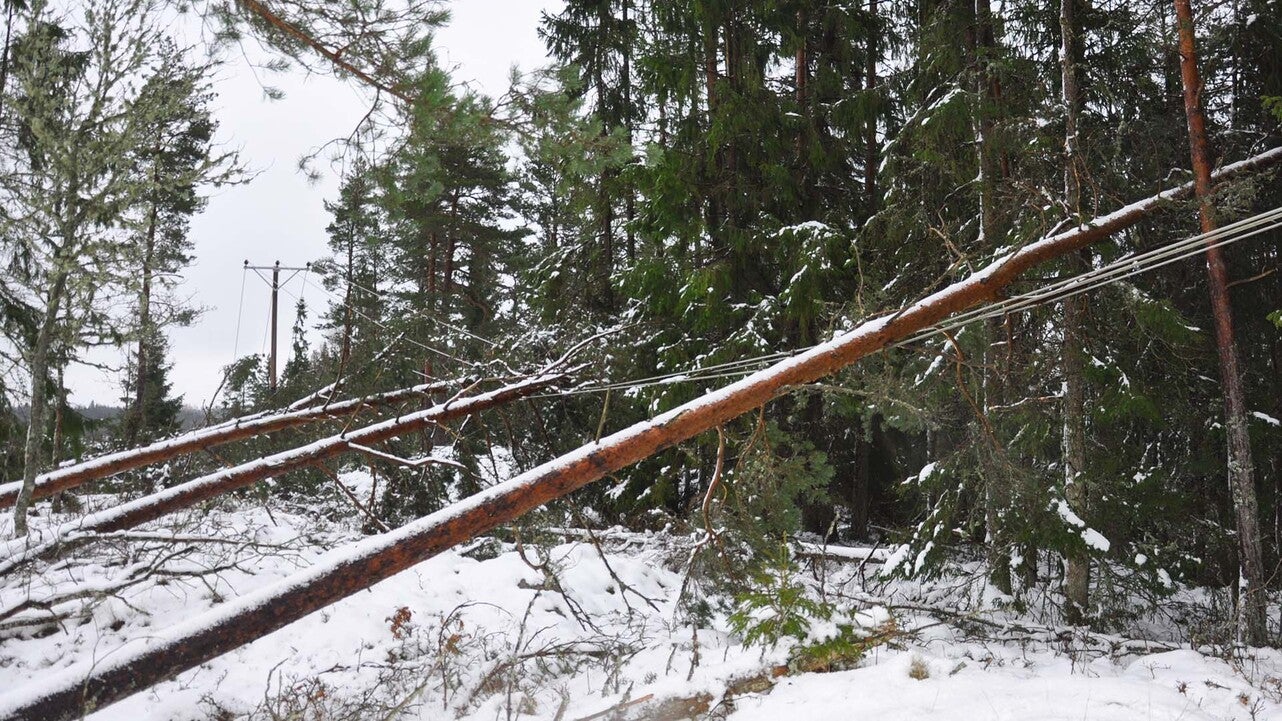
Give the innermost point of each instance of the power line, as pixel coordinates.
(419, 312)
(1094, 279)
(1125, 268)
(240, 309)
(409, 340)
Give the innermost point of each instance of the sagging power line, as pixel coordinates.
(1108, 274)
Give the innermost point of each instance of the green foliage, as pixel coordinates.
(245, 384)
(158, 414)
(567, 156)
(776, 473)
(1274, 106)
(298, 378)
(718, 182)
(779, 607)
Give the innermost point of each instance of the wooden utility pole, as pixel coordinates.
(1253, 600)
(71, 693)
(275, 284)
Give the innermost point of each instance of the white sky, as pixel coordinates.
(280, 215)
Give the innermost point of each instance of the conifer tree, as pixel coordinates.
(1252, 622)
(177, 155)
(76, 116)
(1077, 573)
(356, 273)
(152, 412)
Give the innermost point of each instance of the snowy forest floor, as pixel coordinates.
(583, 627)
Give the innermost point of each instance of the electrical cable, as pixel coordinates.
(240, 310)
(1094, 279)
(421, 312)
(384, 326)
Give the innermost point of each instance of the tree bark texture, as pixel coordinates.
(67, 477)
(1252, 628)
(157, 505)
(39, 368)
(1072, 359)
(70, 693)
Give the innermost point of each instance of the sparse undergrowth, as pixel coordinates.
(562, 624)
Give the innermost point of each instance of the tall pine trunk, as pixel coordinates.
(712, 205)
(345, 352)
(605, 185)
(629, 115)
(138, 418)
(1253, 599)
(1078, 570)
(870, 139)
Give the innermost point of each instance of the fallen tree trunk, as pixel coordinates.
(140, 664)
(845, 553)
(71, 476)
(156, 505)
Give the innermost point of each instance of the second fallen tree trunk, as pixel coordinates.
(70, 693)
(111, 464)
(184, 495)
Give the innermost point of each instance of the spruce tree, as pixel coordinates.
(176, 156)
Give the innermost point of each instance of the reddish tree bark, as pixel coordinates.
(67, 477)
(1253, 601)
(1077, 573)
(187, 494)
(70, 693)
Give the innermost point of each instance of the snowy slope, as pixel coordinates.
(567, 631)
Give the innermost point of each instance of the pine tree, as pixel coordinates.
(1077, 572)
(565, 152)
(448, 196)
(1252, 624)
(357, 274)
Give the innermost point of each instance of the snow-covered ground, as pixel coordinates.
(972, 682)
(576, 630)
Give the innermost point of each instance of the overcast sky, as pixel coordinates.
(280, 215)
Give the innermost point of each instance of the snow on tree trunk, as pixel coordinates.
(156, 505)
(70, 693)
(1078, 571)
(67, 477)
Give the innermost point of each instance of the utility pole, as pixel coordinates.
(275, 284)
